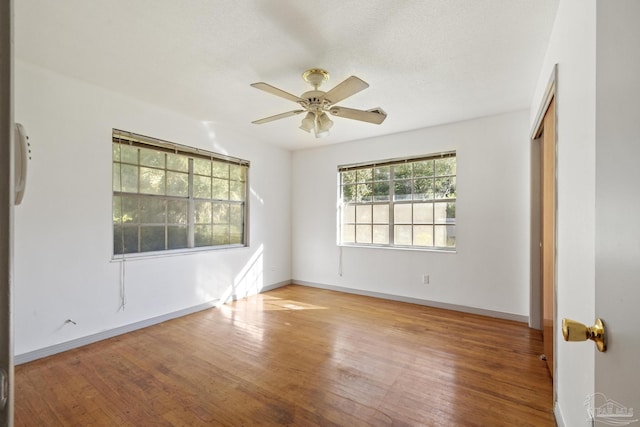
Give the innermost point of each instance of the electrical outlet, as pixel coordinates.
(425, 279)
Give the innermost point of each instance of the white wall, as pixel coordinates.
(572, 47)
(490, 270)
(63, 248)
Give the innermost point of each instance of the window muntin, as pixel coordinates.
(168, 197)
(399, 203)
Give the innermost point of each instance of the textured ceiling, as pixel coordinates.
(428, 62)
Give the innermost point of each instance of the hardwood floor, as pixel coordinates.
(298, 356)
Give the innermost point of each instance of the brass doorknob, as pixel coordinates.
(576, 331)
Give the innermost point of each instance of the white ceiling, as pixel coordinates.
(428, 62)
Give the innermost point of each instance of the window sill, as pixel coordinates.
(172, 253)
(402, 248)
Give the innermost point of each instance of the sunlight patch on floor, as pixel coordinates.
(269, 303)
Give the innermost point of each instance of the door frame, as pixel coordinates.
(6, 207)
(535, 289)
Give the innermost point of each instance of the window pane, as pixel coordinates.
(220, 234)
(382, 173)
(349, 233)
(115, 152)
(127, 236)
(348, 177)
(116, 209)
(152, 210)
(202, 167)
(424, 168)
(235, 216)
(381, 214)
(129, 209)
(445, 236)
(152, 158)
(152, 181)
(116, 177)
(236, 190)
(152, 238)
(381, 234)
(363, 214)
(220, 213)
(451, 236)
(381, 191)
(364, 192)
(348, 213)
(445, 188)
(235, 234)
(177, 237)
(423, 189)
(402, 235)
(201, 187)
(451, 213)
(402, 213)
(445, 213)
(177, 162)
(423, 235)
(220, 189)
(220, 170)
(237, 173)
(117, 239)
(177, 212)
(440, 213)
(402, 190)
(202, 212)
(423, 213)
(177, 184)
(128, 154)
(363, 234)
(364, 175)
(402, 171)
(445, 166)
(129, 178)
(203, 235)
(349, 193)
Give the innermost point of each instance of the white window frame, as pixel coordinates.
(237, 202)
(357, 225)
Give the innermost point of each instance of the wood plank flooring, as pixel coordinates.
(298, 356)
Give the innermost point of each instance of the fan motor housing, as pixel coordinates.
(314, 99)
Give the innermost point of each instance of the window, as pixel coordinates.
(171, 197)
(399, 203)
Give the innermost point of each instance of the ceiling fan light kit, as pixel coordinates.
(318, 103)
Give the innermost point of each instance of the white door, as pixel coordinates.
(617, 371)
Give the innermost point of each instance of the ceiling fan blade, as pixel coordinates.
(345, 89)
(375, 115)
(275, 91)
(278, 116)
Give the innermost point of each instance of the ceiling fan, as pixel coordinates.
(317, 103)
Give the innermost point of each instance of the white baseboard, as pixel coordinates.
(89, 339)
(429, 303)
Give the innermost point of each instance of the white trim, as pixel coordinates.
(428, 303)
(557, 413)
(549, 93)
(89, 339)
(7, 198)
